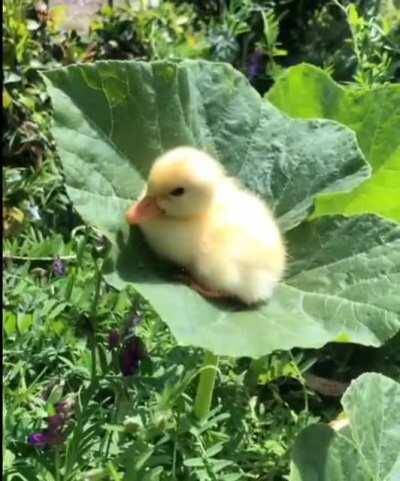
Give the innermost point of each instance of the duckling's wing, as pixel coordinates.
(247, 231)
(254, 245)
(240, 262)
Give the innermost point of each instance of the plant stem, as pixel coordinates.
(206, 384)
(57, 463)
(254, 370)
(3, 445)
(92, 319)
(79, 258)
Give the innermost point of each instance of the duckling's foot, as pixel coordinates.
(204, 291)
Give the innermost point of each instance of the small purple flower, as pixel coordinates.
(55, 426)
(56, 422)
(59, 268)
(256, 64)
(114, 338)
(45, 438)
(37, 439)
(134, 351)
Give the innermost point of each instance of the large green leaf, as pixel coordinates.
(368, 449)
(308, 92)
(113, 118)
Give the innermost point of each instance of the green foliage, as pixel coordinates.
(33, 195)
(375, 41)
(184, 31)
(165, 32)
(59, 314)
(31, 43)
(354, 40)
(307, 92)
(225, 31)
(122, 428)
(321, 293)
(371, 407)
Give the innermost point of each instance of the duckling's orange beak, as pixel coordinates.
(144, 210)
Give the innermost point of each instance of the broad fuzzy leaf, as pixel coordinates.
(113, 118)
(308, 92)
(365, 450)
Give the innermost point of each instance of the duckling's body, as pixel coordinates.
(231, 243)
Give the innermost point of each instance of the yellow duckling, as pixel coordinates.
(194, 215)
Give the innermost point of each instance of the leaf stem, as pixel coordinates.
(206, 384)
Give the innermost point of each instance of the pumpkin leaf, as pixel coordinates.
(111, 119)
(307, 92)
(366, 449)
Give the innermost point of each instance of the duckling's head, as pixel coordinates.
(181, 184)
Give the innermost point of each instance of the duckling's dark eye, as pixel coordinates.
(178, 191)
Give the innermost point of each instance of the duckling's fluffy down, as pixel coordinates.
(241, 251)
(231, 245)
